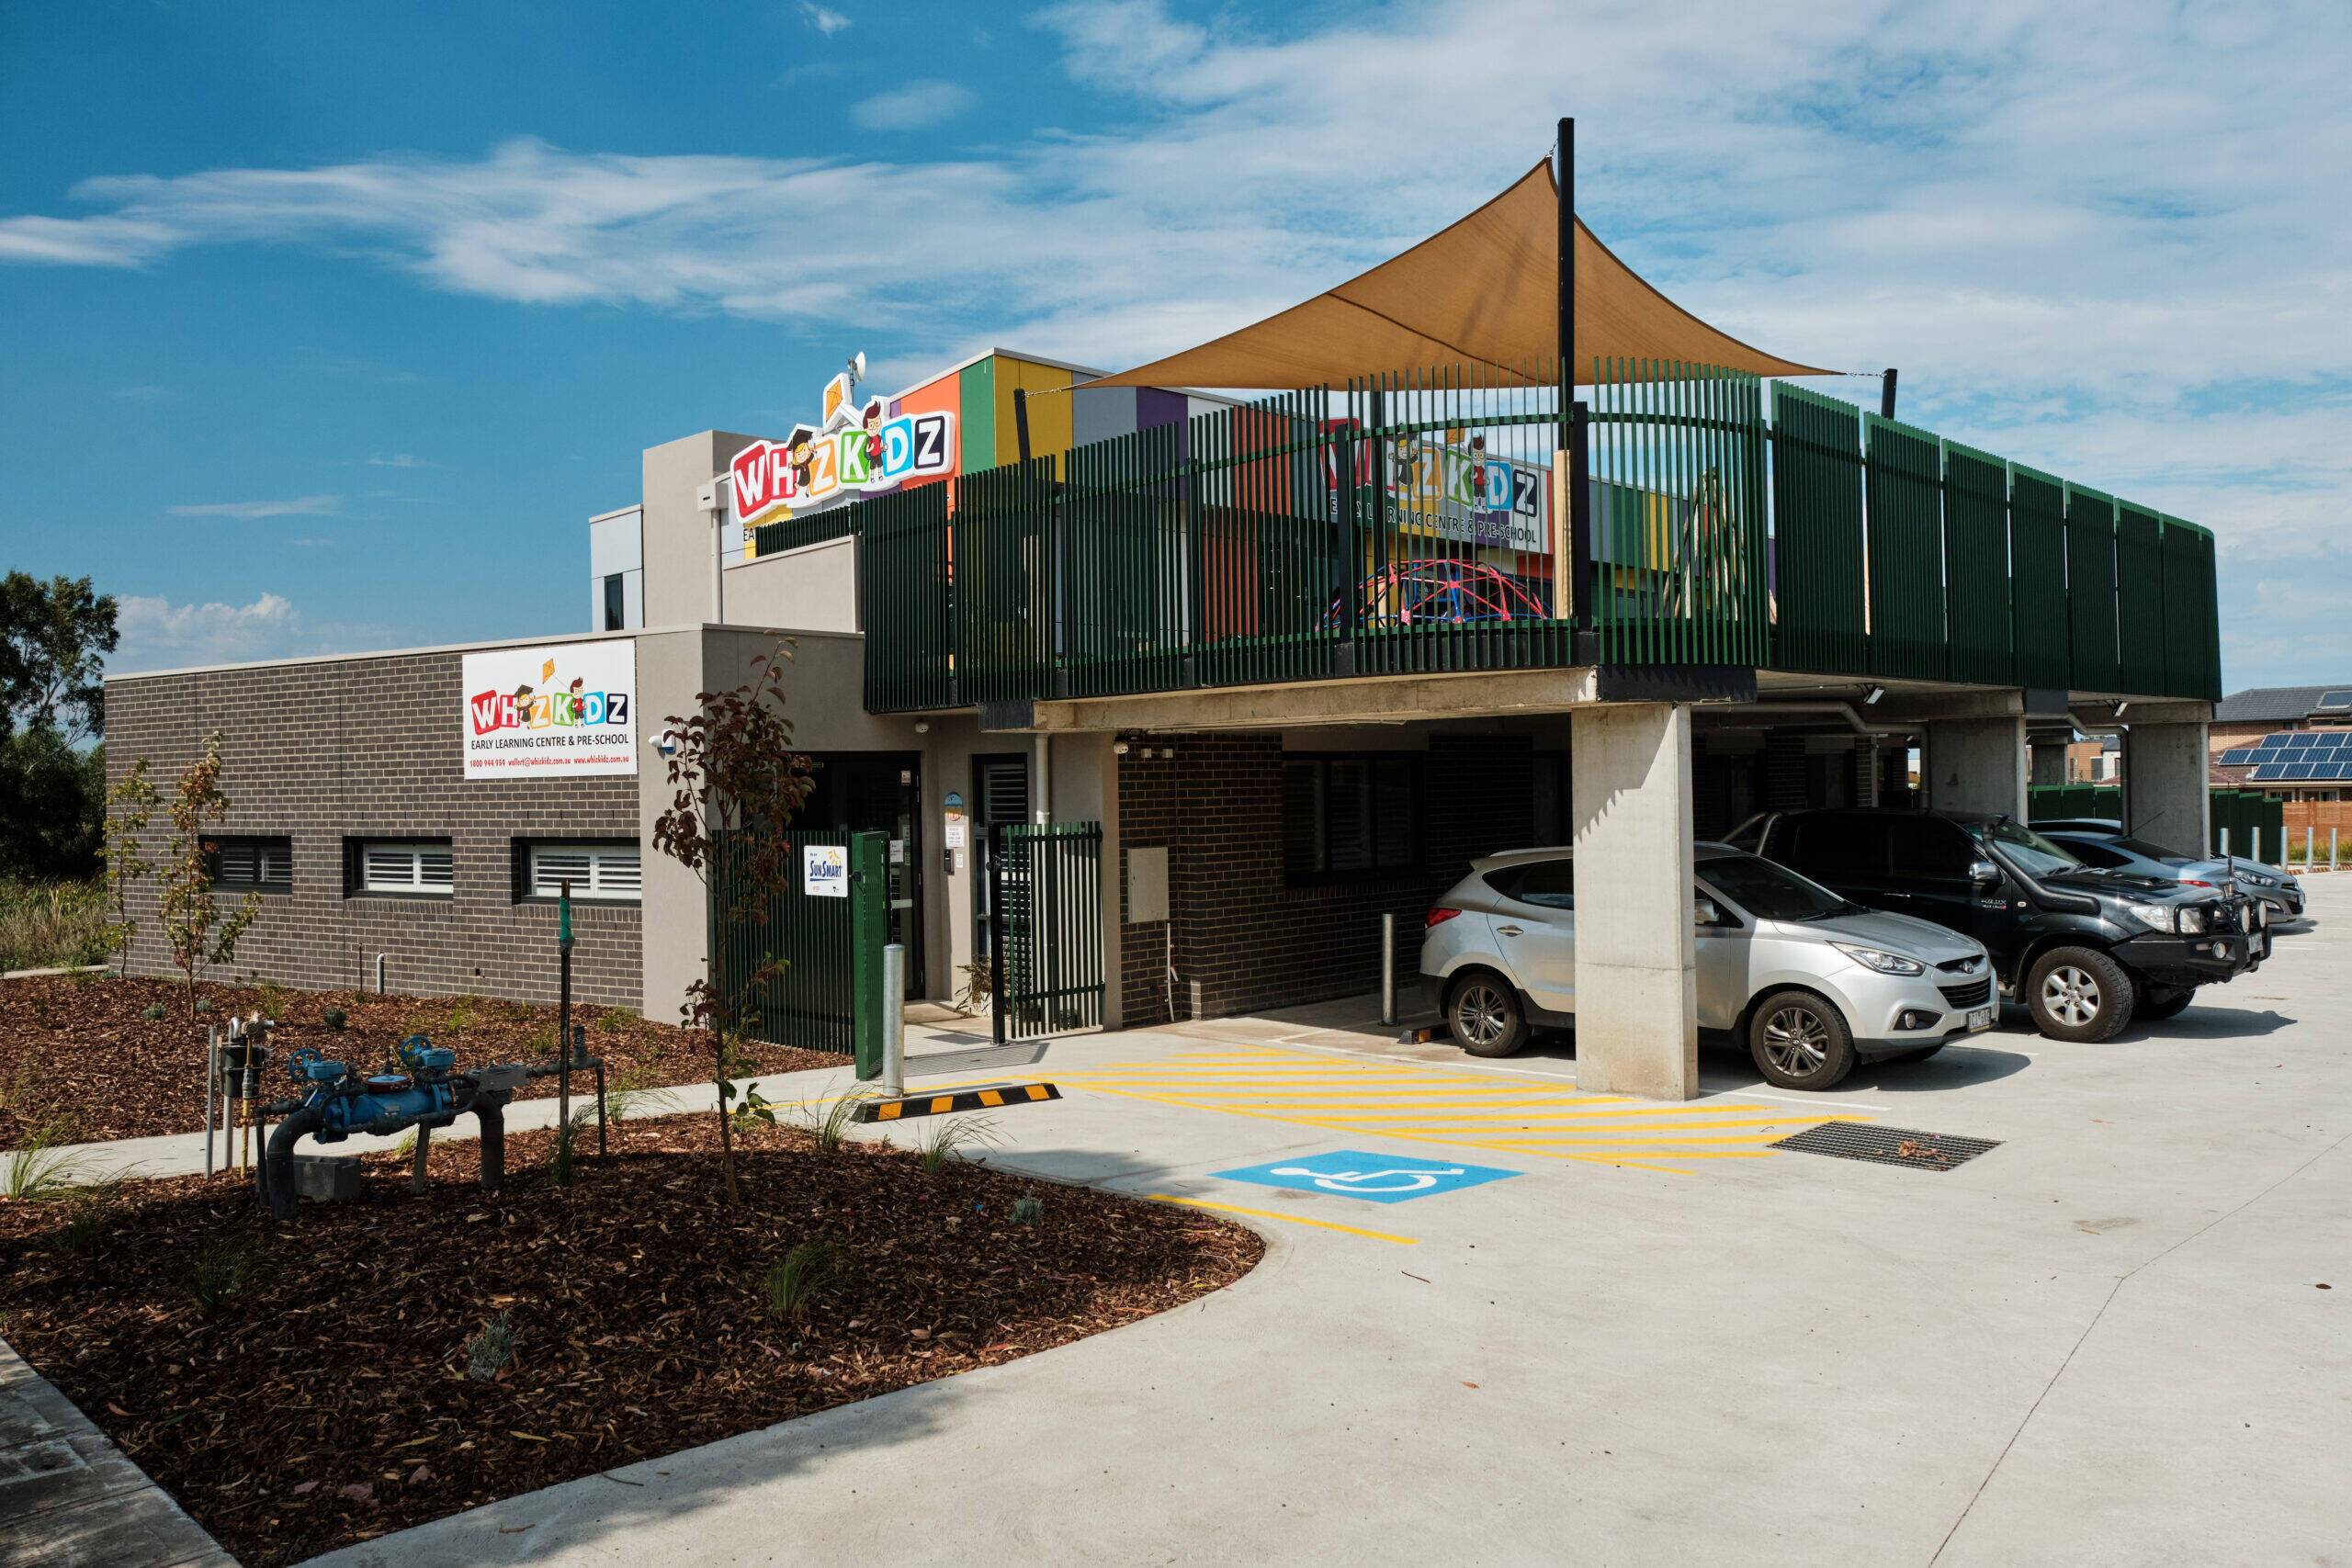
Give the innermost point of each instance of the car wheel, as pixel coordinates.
(1482, 1013)
(2164, 1001)
(1799, 1041)
(1921, 1055)
(2079, 994)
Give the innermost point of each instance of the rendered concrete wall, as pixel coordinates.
(813, 588)
(1977, 764)
(2167, 798)
(1637, 981)
(676, 534)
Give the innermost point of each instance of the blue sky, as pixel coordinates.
(328, 326)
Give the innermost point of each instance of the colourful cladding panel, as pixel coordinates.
(1817, 511)
(1905, 483)
(976, 398)
(1976, 565)
(2139, 599)
(1049, 413)
(2038, 577)
(2090, 589)
(944, 395)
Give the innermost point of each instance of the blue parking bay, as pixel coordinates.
(1377, 1178)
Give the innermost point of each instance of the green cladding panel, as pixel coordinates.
(2140, 600)
(1976, 566)
(1905, 483)
(2090, 589)
(976, 413)
(2038, 577)
(1818, 533)
(2192, 621)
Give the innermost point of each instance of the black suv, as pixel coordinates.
(2085, 949)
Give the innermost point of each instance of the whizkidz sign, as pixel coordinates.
(855, 452)
(569, 709)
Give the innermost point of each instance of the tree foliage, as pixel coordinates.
(737, 784)
(131, 806)
(54, 638)
(198, 934)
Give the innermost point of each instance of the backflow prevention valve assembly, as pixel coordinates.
(336, 1100)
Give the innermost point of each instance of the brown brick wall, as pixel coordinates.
(1244, 941)
(371, 747)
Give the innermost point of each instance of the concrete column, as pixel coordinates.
(2167, 798)
(1637, 1005)
(1976, 764)
(1086, 789)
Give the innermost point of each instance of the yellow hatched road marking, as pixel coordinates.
(1277, 1214)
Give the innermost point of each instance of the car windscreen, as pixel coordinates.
(2147, 851)
(2032, 853)
(1768, 891)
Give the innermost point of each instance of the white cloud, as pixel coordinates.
(159, 634)
(398, 460)
(2063, 222)
(295, 506)
(912, 106)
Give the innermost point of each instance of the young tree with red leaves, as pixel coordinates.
(737, 785)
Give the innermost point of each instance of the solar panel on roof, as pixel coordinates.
(2237, 756)
(2276, 738)
(2329, 702)
(2302, 739)
(2267, 770)
(2336, 739)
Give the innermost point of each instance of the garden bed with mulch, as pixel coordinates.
(80, 1061)
(304, 1387)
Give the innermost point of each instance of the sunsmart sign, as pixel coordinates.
(1376, 1178)
(855, 452)
(824, 870)
(569, 709)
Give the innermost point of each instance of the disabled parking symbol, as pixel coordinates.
(1376, 1178)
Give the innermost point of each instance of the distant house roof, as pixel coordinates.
(2274, 705)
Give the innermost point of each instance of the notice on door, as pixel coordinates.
(824, 870)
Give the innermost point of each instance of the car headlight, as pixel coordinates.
(2192, 922)
(1876, 958)
(2155, 917)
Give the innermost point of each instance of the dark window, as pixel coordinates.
(1551, 814)
(616, 604)
(1550, 884)
(1925, 847)
(1836, 844)
(244, 863)
(1347, 817)
(2091, 853)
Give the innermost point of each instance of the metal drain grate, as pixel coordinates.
(1887, 1145)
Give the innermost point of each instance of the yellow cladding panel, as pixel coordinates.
(1050, 431)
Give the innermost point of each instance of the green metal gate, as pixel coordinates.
(827, 947)
(1046, 905)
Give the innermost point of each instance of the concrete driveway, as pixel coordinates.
(1658, 1341)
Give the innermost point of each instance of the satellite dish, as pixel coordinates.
(857, 367)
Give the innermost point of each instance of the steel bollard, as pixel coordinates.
(894, 1020)
(2331, 849)
(1388, 966)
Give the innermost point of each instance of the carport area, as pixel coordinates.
(2118, 1337)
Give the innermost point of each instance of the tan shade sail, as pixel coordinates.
(1484, 293)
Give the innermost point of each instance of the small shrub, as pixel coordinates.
(406, 1147)
(1027, 1210)
(204, 1004)
(829, 1124)
(37, 1169)
(223, 1276)
(978, 985)
(334, 1018)
(792, 1282)
(561, 1159)
(612, 1021)
(947, 1138)
(153, 1011)
(273, 1000)
(488, 1353)
(462, 1012)
(89, 1211)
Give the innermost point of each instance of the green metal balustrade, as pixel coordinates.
(1408, 523)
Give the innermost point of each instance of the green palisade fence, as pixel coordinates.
(1976, 566)
(1818, 554)
(2241, 812)
(811, 1001)
(2192, 621)
(1907, 554)
(2090, 589)
(904, 602)
(2038, 577)
(2139, 600)
(794, 533)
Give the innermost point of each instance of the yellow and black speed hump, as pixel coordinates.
(991, 1096)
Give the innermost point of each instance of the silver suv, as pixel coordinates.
(1809, 981)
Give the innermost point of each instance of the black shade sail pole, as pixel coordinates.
(1886, 394)
(1573, 431)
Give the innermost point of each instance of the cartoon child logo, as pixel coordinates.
(1479, 471)
(804, 455)
(874, 436)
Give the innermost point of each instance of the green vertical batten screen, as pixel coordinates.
(809, 1000)
(905, 607)
(1005, 582)
(1048, 899)
(1976, 567)
(1678, 475)
(1904, 482)
(2090, 589)
(2192, 618)
(1818, 533)
(1126, 565)
(2038, 577)
(869, 921)
(813, 528)
(2140, 600)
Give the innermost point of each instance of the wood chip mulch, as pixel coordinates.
(323, 1398)
(77, 1057)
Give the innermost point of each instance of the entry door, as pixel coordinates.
(999, 798)
(880, 792)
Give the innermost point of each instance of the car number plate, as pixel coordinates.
(1979, 1019)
